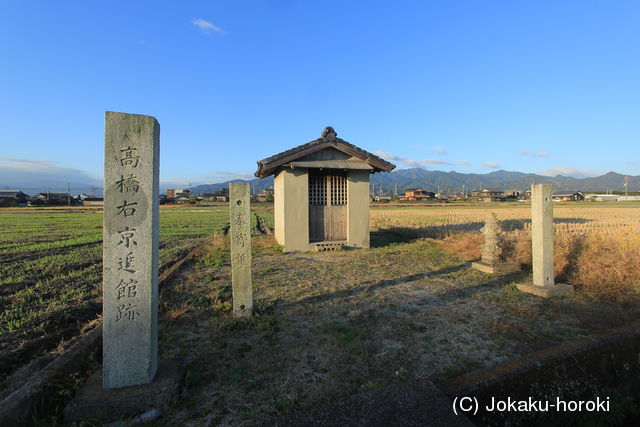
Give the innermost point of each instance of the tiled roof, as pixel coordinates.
(565, 193)
(329, 137)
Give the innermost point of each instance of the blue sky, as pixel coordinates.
(544, 87)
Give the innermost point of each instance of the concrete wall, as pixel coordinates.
(580, 369)
(278, 207)
(358, 209)
(291, 209)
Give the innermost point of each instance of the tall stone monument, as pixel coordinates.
(490, 261)
(542, 245)
(130, 254)
(240, 232)
(132, 380)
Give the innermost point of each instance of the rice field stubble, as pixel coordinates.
(51, 272)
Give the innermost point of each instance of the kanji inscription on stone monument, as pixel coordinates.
(240, 234)
(130, 249)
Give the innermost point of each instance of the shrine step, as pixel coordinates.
(329, 246)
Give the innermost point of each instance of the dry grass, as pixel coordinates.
(607, 265)
(440, 222)
(603, 263)
(596, 247)
(330, 324)
(176, 313)
(466, 246)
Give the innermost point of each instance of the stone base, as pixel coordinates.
(95, 404)
(557, 290)
(496, 268)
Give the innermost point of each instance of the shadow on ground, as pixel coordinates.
(394, 235)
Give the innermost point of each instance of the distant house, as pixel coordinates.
(606, 198)
(418, 194)
(628, 199)
(220, 196)
(182, 200)
(494, 195)
(93, 201)
(266, 195)
(567, 196)
(49, 198)
(175, 193)
(13, 198)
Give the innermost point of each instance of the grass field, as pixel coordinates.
(330, 324)
(51, 267)
(327, 324)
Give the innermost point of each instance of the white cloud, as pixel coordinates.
(421, 163)
(538, 154)
(440, 150)
(17, 165)
(464, 163)
(32, 173)
(386, 155)
(568, 171)
(491, 165)
(206, 26)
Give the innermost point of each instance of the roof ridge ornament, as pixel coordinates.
(329, 133)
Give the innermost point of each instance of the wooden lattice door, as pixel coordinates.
(327, 206)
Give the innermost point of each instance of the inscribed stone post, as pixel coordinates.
(130, 249)
(542, 245)
(240, 231)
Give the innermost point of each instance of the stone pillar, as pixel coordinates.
(542, 234)
(130, 249)
(542, 245)
(490, 262)
(240, 234)
(491, 248)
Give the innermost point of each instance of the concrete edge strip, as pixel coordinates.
(568, 350)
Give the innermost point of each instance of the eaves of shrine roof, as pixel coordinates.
(271, 165)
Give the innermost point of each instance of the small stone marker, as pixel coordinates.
(542, 245)
(490, 262)
(130, 249)
(240, 231)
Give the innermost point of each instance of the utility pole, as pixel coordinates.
(68, 194)
(626, 186)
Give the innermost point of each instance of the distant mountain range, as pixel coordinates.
(446, 182)
(402, 179)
